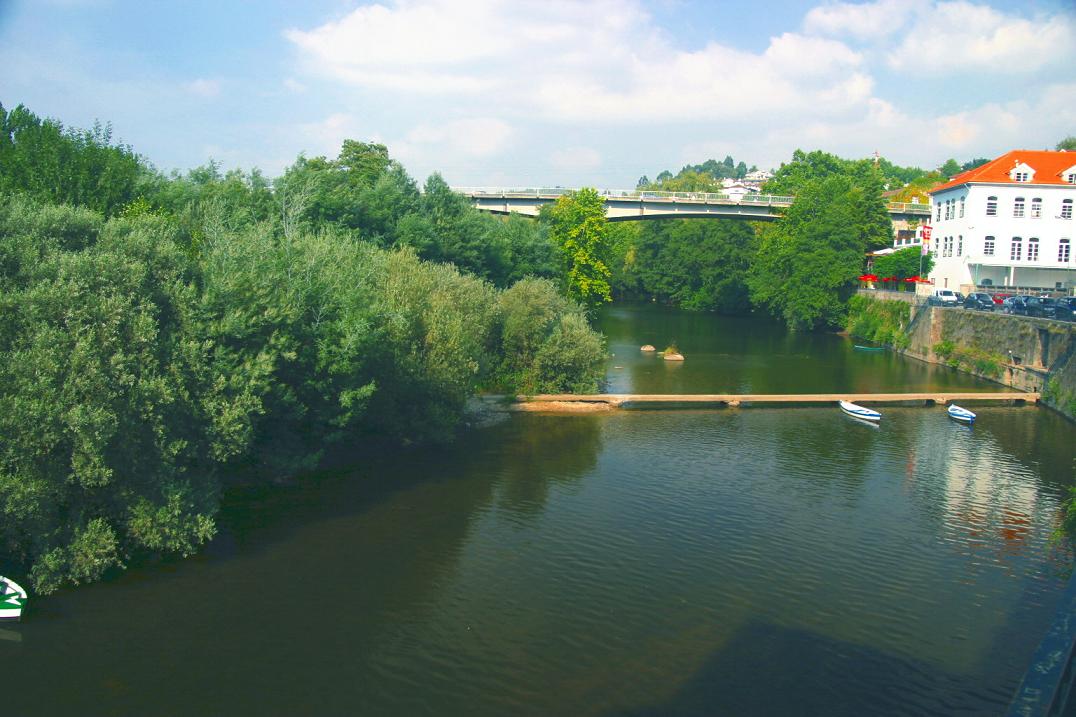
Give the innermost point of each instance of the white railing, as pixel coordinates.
(910, 208)
(768, 200)
(634, 194)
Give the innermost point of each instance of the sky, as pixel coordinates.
(548, 92)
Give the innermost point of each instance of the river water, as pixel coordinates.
(784, 561)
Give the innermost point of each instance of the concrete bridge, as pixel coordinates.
(634, 205)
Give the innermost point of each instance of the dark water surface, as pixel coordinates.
(747, 355)
(730, 562)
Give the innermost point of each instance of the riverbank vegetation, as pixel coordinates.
(970, 359)
(879, 321)
(164, 337)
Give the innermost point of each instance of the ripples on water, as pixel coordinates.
(759, 561)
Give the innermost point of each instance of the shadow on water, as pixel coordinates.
(810, 674)
(546, 451)
(304, 575)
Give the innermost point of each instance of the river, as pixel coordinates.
(738, 561)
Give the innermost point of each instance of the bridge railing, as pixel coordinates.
(767, 200)
(631, 194)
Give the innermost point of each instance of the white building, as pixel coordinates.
(1008, 223)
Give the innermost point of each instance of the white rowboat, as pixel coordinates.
(961, 414)
(859, 412)
(12, 600)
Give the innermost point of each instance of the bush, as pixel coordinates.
(882, 322)
(545, 342)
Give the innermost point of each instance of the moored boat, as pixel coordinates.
(12, 600)
(961, 414)
(859, 347)
(860, 412)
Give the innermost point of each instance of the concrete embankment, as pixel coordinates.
(1027, 354)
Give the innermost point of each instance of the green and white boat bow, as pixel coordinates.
(12, 600)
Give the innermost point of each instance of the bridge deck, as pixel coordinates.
(692, 400)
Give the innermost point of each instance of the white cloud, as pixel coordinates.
(862, 20)
(326, 136)
(959, 36)
(575, 158)
(575, 61)
(473, 137)
(203, 87)
(906, 137)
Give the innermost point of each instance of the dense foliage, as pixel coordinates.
(880, 321)
(806, 266)
(904, 263)
(698, 264)
(578, 228)
(42, 159)
(697, 177)
(171, 335)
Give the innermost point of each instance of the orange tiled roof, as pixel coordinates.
(1048, 167)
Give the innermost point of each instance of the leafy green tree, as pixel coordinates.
(973, 163)
(108, 452)
(1068, 144)
(545, 342)
(904, 263)
(805, 167)
(698, 264)
(950, 169)
(66, 166)
(577, 226)
(807, 263)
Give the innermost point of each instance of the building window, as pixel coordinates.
(1071, 177)
(1066, 209)
(1017, 249)
(1033, 249)
(938, 217)
(960, 245)
(1018, 207)
(991, 206)
(1020, 176)
(962, 207)
(1036, 208)
(988, 246)
(1063, 252)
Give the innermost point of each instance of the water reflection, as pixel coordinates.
(736, 561)
(753, 355)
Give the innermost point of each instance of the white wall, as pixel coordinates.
(962, 269)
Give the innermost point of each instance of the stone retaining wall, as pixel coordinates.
(1032, 354)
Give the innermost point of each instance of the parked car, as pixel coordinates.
(982, 302)
(1066, 309)
(1041, 306)
(1015, 305)
(999, 298)
(943, 297)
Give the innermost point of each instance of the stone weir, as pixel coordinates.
(575, 403)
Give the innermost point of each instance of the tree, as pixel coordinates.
(1068, 144)
(973, 163)
(66, 166)
(904, 263)
(577, 226)
(950, 169)
(698, 264)
(806, 266)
